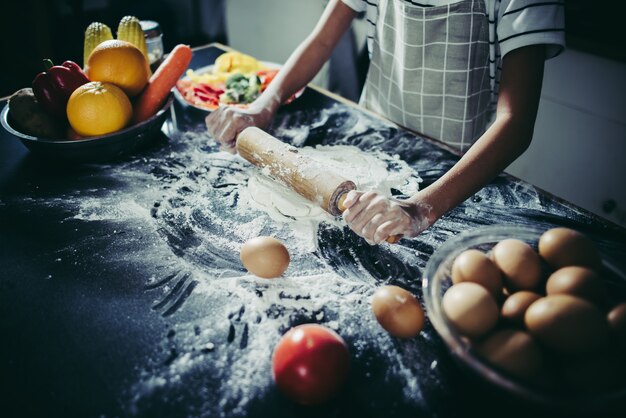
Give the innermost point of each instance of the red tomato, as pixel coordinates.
(310, 364)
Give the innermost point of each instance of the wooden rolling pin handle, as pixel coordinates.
(335, 203)
(309, 178)
(392, 239)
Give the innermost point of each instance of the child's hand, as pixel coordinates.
(226, 122)
(376, 217)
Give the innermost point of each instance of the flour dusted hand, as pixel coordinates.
(226, 122)
(376, 217)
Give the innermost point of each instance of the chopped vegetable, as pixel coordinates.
(232, 61)
(266, 76)
(241, 89)
(235, 80)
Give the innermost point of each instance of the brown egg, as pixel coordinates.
(470, 308)
(514, 307)
(475, 266)
(265, 257)
(617, 323)
(398, 311)
(567, 324)
(562, 247)
(577, 281)
(519, 263)
(514, 351)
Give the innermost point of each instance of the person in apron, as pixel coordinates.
(468, 73)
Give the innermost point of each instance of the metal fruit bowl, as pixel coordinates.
(92, 149)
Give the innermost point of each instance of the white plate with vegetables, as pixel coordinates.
(234, 80)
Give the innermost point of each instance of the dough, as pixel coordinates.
(369, 170)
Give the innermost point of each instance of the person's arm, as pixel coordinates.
(225, 123)
(375, 217)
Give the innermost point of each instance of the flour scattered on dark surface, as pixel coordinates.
(178, 220)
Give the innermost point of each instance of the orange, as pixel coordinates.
(98, 108)
(120, 63)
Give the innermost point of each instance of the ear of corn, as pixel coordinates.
(95, 34)
(129, 30)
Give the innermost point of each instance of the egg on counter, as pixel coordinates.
(470, 308)
(514, 351)
(567, 324)
(475, 266)
(578, 281)
(519, 263)
(398, 311)
(265, 257)
(515, 306)
(562, 247)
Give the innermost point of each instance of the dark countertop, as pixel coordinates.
(122, 294)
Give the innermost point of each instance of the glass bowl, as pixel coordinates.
(98, 148)
(437, 279)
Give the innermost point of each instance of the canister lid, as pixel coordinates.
(150, 28)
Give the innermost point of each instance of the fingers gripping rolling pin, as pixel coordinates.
(306, 177)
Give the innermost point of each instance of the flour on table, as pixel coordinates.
(180, 214)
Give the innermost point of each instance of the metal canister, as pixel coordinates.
(154, 42)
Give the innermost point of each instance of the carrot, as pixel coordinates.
(161, 82)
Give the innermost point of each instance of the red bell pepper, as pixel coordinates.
(266, 77)
(53, 87)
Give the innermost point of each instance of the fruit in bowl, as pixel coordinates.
(116, 96)
(54, 86)
(69, 146)
(116, 89)
(30, 117)
(120, 63)
(98, 108)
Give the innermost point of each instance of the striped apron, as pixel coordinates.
(429, 69)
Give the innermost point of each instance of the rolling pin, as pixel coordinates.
(309, 178)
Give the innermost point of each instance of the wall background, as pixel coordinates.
(579, 147)
(31, 30)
